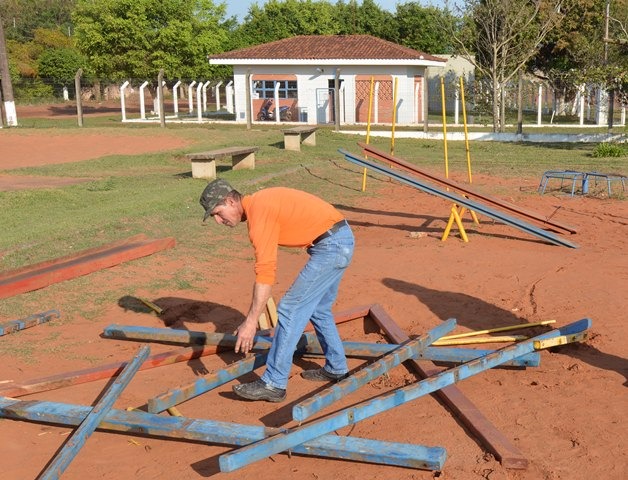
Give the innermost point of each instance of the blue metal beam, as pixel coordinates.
(216, 432)
(459, 199)
(410, 349)
(287, 440)
(65, 456)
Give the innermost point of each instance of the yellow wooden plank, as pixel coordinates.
(561, 340)
(472, 340)
(271, 307)
(263, 322)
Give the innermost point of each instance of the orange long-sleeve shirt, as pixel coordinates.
(287, 217)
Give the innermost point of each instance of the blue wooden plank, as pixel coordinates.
(307, 345)
(436, 354)
(409, 349)
(63, 458)
(217, 432)
(284, 441)
(28, 322)
(459, 200)
(171, 335)
(204, 384)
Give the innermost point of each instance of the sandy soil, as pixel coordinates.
(568, 416)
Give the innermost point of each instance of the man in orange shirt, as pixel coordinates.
(292, 218)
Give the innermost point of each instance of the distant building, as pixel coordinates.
(454, 68)
(300, 73)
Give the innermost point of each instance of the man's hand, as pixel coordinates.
(246, 334)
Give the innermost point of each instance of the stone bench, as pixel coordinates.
(294, 137)
(204, 163)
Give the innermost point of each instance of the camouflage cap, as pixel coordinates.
(213, 194)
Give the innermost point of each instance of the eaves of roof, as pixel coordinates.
(327, 50)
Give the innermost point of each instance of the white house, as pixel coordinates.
(301, 73)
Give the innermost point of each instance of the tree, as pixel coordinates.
(576, 52)
(58, 67)
(421, 28)
(23, 17)
(500, 38)
(367, 19)
(276, 20)
(133, 39)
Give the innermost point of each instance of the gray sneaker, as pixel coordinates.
(258, 390)
(322, 375)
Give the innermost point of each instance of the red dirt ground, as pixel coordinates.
(568, 416)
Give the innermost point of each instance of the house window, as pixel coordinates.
(266, 88)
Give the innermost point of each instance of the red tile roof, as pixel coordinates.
(327, 47)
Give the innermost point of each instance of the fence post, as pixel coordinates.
(79, 105)
(175, 97)
(123, 99)
(539, 105)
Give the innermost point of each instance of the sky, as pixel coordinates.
(240, 8)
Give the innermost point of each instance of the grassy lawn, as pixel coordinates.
(155, 194)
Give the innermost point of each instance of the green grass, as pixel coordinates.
(154, 194)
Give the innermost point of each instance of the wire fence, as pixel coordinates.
(541, 104)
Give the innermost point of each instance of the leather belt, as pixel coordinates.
(333, 229)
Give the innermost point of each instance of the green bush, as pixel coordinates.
(604, 150)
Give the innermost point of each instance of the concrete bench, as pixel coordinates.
(294, 137)
(204, 163)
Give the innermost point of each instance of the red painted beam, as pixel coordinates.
(41, 275)
(110, 370)
(508, 454)
(529, 215)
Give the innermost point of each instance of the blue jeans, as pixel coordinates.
(310, 298)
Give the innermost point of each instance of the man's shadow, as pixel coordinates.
(185, 314)
(477, 314)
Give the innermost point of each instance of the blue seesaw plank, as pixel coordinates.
(458, 199)
(284, 441)
(65, 456)
(227, 433)
(204, 384)
(409, 349)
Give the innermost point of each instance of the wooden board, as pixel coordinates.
(42, 274)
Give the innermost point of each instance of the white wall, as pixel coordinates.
(309, 80)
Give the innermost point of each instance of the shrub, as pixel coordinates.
(604, 150)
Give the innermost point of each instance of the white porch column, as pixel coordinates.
(229, 95)
(277, 115)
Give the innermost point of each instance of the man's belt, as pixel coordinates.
(333, 229)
